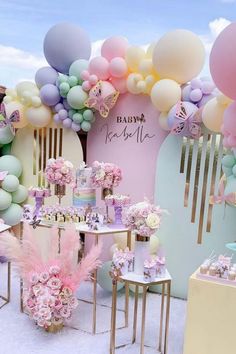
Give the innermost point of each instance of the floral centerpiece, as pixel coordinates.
(144, 219)
(49, 286)
(59, 172)
(106, 175)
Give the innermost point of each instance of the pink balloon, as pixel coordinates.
(86, 86)
(229, 120)
(119, 84)
(99, 66)
(93, 79)
(118, 67)
(85, 75)
(114, 47)
(231, 141)
(223, 61)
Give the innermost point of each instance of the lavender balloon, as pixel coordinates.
(67, 123)
(75, 127)
(46, 75)
(50, 95)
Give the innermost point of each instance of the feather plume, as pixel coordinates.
(10, 247)
(33, 257)
(70, 244)
(88, 264)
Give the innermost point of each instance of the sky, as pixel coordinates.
(24, 24)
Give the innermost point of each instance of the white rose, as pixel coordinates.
(64, 170)
(68, 164)
(153, 221)
(100, 174)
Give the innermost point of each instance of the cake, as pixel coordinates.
(84, 195)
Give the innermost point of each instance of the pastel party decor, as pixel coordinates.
(63, 44)
(11, 164)
(223, 61)
(165, 94)
(113, 47)
(212, 115)
(179, 55)
(38, 116)
(46, 75)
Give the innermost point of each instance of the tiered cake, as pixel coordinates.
(84, 195)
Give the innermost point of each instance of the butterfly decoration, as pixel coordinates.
(35, 222)
(100, 103)
(3, 175)
(141, 119)
(4, 121)
(188, 122)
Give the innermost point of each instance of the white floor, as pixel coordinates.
(19, 335)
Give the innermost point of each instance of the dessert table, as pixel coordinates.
(211, 316)
(138, 280)
(6, 298)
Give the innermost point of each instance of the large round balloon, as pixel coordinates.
(63, 44)
(39, 116)
(76, 97)
(6, 135)
(104, 278)
(115, 46)
(50, 95)
(165, 94)
(179, 55)
(77, 67)
(10, 183)
(20, 195)
(212, 115)
(11, 164)
(46, 75)
(12, 215)
(223, 61)
(5, 199)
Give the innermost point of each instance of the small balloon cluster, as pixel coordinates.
(12, 193)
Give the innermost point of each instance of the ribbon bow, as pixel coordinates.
(222, 198)
(4, 121)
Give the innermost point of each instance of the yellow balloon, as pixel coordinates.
(39, 116)
(165, 94)
(224, 100)
(132, 83)
(163, 121)
(133, 57)
(179, 55)
(150, 49)
(27, 86)
(145, 67)
(212, 115)
(17, 106)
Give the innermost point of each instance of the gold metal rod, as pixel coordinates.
(183, 153)
(143, 319)
(126, 304)
(95, 296)
(113, 318)
(129, 239)
(196, 181)
(161, 316)
(167, 317)
(135, 314)
(8, 281)
(60, 141)
(188, 173)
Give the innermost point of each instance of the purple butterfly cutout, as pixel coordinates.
(189, 122)
(4, 121)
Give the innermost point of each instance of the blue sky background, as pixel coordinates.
(24, 24)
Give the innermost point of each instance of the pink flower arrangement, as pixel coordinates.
(143, 218)
(59, 171)
(105, 175)
(50, 284)
(47, 300)
(117, 200)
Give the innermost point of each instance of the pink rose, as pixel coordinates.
(65, 312)
(54, 283)
(43, 277)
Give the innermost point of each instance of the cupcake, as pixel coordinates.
(212, 271)
(203, 269)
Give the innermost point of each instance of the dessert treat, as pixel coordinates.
(231, 275)
(61, 215)
(84, 195)
(212, 270)
(203, 269)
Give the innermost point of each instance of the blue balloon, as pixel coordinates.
(46, 75)
(63, 44)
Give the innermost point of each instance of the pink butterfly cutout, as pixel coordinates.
(14, 117)
(101, 104)
(3, 174)
(190, 121)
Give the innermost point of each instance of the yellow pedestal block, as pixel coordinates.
(211, 318)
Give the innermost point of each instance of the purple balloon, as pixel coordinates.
(66, 104)
(190, 108)
(46, 75)
(196, 83)
(67, 123)
(75, 127)
(56, 118)
(195, 95)
(207, 87)
(186, 93)
(205, 99)
(62, 114)
(50, 95)
(58, 107)
(63, 44)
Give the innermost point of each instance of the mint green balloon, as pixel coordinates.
(104, 279)
(63, 94)
(20, 195)
(64, 87)
(6, 135)
(77, 118)
(77, 67)
(228, 161)
(86, 126)
(62, 78)
(71, 113)
(88, 115)
(5, 199)
(12, 215)
(6, 149)
(76, 97)
(11, 164)
(10, 183)
(73, 81)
